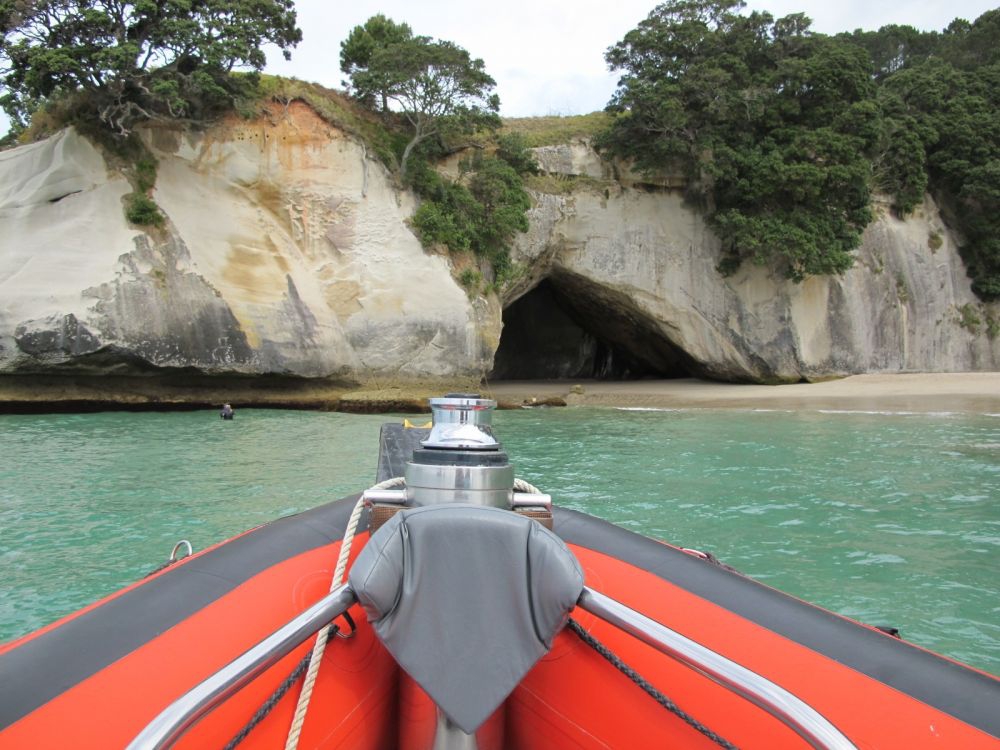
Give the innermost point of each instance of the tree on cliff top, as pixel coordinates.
(951, 101)
(772, 125)
(356, 56)
(135, 61)
(434, 84)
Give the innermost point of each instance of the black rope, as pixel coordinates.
(638, 679)
(276, 696)
(156, 570)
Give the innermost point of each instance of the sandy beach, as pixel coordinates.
(959, 392)
(977, 392)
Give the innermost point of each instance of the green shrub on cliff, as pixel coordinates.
(957, 112)
(773, 126)
(940, 95)
(142, 211)
(499, 191)
(481, 214)
(145, 173)
(513, 148)
(783, 132)
(448, 214)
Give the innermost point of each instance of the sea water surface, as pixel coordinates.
(892, 519)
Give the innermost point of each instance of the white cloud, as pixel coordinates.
(847, 15)
(547, 56)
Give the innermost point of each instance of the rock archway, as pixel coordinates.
(568, 327)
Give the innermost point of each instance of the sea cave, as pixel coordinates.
(569, 328)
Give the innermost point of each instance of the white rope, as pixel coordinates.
(521, 486)
(388, 484)
(320, 646)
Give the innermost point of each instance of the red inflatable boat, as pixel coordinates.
(510, 635)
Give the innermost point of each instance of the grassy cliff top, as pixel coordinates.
(333, 106)
(554, 129)
(340, 110)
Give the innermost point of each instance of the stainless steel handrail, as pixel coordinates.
(802, 718)
(180, 715)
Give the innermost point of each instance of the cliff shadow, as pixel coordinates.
(567, 327)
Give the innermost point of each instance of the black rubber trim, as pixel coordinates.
(44, 667)
(968, 695)
(449, 457)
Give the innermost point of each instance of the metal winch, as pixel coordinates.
(459, 461)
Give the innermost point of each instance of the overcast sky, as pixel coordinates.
(547, 56)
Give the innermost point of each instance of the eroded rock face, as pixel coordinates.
(636, 267)
(286, 250)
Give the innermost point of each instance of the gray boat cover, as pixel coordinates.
(466, 598)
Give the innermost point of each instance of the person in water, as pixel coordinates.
(227, 412)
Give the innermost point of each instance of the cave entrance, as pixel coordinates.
(569, 328)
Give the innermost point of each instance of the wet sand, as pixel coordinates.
(924, 392)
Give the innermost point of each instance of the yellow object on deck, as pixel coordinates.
(407, 424)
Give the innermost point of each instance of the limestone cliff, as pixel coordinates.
(635, 263)
(286, 250)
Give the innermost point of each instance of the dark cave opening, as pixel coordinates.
(569, 328)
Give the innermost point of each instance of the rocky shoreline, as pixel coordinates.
(923, 392)
(53, 393)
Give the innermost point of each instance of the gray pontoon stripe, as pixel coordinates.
(964, 693)
(52, 663)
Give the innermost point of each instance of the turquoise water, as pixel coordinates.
(887, 518)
